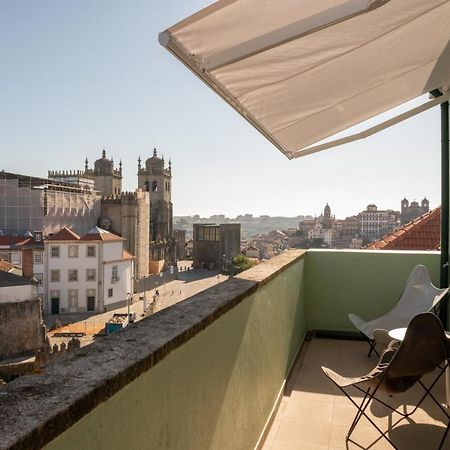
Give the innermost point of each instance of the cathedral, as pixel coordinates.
(143, 217)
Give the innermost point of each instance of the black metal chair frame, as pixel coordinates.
(369, 396)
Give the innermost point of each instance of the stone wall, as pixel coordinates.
(128, 214)
(21, 328)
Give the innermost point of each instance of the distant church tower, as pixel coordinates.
(412, 211)
(157, 179)
(107, 180)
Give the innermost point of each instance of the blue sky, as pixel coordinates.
(79, 76)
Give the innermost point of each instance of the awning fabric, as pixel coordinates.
(303, 70)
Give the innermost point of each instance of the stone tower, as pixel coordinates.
(410, 211)
(128, 215)
(157, 179)
(107, 179)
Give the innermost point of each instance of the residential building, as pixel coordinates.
(215, 245)
(375, 222)
(38, 204)
(26, 254)
(88, 273)
(348, 232)
(252, 252)
(21, 328)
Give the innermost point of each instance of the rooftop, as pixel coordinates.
(99, 234)
(422, 233)
(9, 279)
(64, 234)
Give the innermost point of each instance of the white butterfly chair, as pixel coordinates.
(420, 295)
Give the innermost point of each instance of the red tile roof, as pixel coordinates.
(126, 255)
(64, 234)
(13, 240)
(6, 266)
(422, 233)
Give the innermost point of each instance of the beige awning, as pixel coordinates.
(303, 70)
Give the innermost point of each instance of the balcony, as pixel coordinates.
(228, 368)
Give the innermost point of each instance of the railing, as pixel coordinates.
(207, 372)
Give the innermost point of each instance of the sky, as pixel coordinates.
(80, 76)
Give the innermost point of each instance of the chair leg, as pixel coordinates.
(443, 437)
(372, 345)
(368, 397)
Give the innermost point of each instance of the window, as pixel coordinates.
(73, 251)
(90, 251)
(90, 274)
(54, 251)
(73, 275)
(115, 273)
(16, 258)
(55, 276)
(155, 186)
(209, 234)
(110, 292)
(38, 258)
(73, 298)
(39, 277)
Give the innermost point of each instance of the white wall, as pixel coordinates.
(107, 255)
(17, 293)
(121, 287)
(63, 263)
(40, 268)
(112, 250)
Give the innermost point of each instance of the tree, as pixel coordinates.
(242, 262)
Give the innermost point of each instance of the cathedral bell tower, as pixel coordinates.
(156, 179)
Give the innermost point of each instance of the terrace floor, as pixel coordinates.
(314, 415)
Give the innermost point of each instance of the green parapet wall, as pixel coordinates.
(217, 390)
(367, 283)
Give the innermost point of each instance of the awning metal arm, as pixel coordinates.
(372, 130)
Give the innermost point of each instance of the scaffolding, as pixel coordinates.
(32, 204)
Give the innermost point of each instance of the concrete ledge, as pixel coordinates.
(36, 409)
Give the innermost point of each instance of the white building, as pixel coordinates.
(89, 273)
(375, 223)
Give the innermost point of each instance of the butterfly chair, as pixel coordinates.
(424, 348)
(419, 295)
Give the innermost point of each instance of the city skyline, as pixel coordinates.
(380, 207)
(80, 78)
